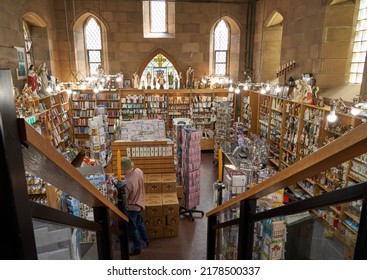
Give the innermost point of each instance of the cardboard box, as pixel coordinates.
(148, 222)
(170, 204)
(170, 231)
(155, 232)
(168, 182)
(158, 221)
(153, 206)
(172, 220)
(153, 187)
(154, 178)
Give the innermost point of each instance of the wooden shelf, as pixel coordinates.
(353, 217)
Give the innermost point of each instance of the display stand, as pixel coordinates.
(191, 160)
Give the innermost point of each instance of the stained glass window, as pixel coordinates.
(93, 43)
(359, 46)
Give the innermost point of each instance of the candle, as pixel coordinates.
(118, 164)
(220, 165)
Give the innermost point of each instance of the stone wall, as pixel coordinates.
(11, 33)
(128, 49)
(317, 35)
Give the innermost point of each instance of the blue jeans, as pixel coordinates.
(137, 229)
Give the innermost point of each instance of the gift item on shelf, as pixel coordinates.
(191, 160)
(99, 145)
(178, 125)
(224, 132)
(141, 130)
(269, 239)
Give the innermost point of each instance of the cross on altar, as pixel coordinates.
(160, 59)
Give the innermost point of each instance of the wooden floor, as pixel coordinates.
(191, 242)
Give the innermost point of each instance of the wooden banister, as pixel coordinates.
(340, 150)
(44, 161)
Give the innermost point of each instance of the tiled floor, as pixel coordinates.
(191, 242)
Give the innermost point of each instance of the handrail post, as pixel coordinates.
(19, 240)
(124, 240)
(246, 230)
(211, 237)
(103, 237)
(360, 251)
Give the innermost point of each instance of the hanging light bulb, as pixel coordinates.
(118, 79)
(277, 89)
(231, 89)
(262, 90)
(267, 86)
(332, 116)
(68, 91)
(246, 87)
(49, 88)
(95, 89)
(237, 90)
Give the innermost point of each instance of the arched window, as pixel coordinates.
(93, 45)
(221, 48)
(359, 46)
(28, 44)
(159, 19)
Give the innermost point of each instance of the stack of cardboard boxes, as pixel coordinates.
(162, 211)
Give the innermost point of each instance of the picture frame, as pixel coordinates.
(127, 83)
(21, 70)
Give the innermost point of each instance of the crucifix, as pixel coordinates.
(160, 59)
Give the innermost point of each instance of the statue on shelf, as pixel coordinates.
(170, 79)
(136, 80)
(176, 82)
(149, 80)
(43, 76)
(190, 77)
(32, 80)
(161, 80)
(181, 81)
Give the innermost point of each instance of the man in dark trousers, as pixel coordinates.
(135, 194)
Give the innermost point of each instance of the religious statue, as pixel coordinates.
(32, 80)
(161, 80)
(149, 80)
(190, 77)
(170, 79)
(180, 81)
(176, 82)
(43, 73)
(136, 80)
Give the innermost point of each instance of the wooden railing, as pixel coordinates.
(23, 149)
(344, 148)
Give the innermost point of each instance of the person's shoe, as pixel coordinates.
(135, 252)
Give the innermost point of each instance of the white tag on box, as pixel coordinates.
(137, 152)
(141, 151)
(160, 151)
(145, 151)
(133, 152)
(169, 151)
(164, 151)
(148, 152)
(152, 151)
(128, 152)
(156, 152)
